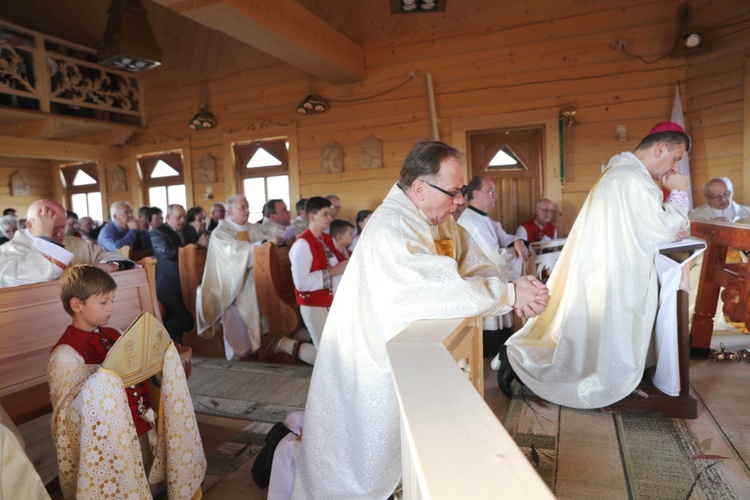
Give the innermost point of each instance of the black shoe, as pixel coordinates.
(505, 375)
(261, 470)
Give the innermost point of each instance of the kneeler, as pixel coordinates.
(666, 388)
(103, 452)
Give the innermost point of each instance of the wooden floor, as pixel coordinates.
(709, 379)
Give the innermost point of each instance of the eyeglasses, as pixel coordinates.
(461, 192)
(727, 194)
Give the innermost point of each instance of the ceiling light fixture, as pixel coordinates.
(416, 6)
(128, 42)
(311, 105)
(203, 120)
(690, 39)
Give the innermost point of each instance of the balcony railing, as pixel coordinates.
(43, 73)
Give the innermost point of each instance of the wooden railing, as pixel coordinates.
(43, 73)
(453, 445)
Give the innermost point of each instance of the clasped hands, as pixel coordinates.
(532, 296)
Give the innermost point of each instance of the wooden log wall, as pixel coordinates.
(37, 173)
(528, 65)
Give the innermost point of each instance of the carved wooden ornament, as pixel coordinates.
(116, 179)
(332, 159)
(371, 153)
(207, 169)
(19, 185)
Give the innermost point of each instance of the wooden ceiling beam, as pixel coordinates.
(283, 29)
(21, 147)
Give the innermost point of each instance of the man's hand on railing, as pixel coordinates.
(532, 296)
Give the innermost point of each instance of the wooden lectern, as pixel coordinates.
(651, 398)
(716, 273)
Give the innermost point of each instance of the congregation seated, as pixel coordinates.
(300, 222)
(719, 203)
(360, 222)
(85, 225)
(342, 232)
(72, 224)
(124, 230)
(227, 292)
(218, 212)
(42, 251)
(155, 218)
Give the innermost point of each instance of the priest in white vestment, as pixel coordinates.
(719, 203)
(589, 350)
(413, 262)
(227, 291)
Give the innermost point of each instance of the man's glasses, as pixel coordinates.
(727, 194)
(461, 192)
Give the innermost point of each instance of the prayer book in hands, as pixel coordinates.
(138, 353)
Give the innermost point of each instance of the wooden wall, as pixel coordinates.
(527, 66)
(37, 172)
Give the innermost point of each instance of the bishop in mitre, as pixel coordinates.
(589, 349)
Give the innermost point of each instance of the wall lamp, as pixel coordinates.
(567, 114)
(416, 6)
(311, 105)
(203, 120)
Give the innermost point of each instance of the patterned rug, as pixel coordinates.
(245, 390)
(584, 454)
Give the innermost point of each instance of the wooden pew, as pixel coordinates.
(192, 261)
(274, 287)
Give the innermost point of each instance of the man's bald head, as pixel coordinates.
(46, 218)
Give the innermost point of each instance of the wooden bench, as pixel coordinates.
(274, 287)
(191, 262)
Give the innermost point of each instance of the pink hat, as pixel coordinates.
(666, 127)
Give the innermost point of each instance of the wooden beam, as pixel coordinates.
(20, 147)
(283, 29)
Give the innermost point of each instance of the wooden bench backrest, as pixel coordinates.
(192, 261)
(32, 319)
(274, 287)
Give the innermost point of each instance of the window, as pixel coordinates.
(163, 177)
(263, 170)
(505, 159)
(82, 183)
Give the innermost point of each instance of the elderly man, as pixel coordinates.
(228, 290)
(278, 219)
(719, 204)
(42, 251)
(506, 251)
(540, 228)
(589, 350)
(85, 225)
(413, 262)
(167, 242)
(123, 230)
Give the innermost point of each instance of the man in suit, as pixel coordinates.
(166, 241)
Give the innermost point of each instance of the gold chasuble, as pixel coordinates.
(98, 450)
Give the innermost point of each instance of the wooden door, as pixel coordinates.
(519, 186)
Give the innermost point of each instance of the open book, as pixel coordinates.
(138, 353)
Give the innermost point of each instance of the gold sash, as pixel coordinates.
(446, 248)
(243, 236)
(138, 354)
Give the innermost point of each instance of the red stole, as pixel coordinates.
(536, 233)
(323, 297)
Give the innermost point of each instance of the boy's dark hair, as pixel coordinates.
(9, 211)
(82, 282)
(338, 227)
(70, 213)
(316, 204)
